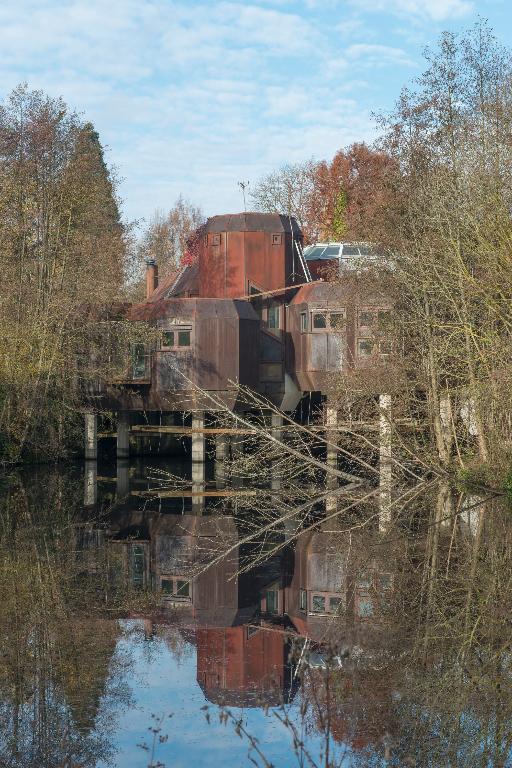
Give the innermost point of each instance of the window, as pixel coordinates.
(318, 604)
(331, 252)
(138, 565)
(215, 239)
(319, 320)
(272, 601)
(363, 581)
(384, 317)
(365, 608)
(277, 239)
(350, 250)
(182, 588)
(364, 347)
(139, 361)
(303, 600)
(335, 605)
(177, 337)
(273, 316)
(385, 581)
(365, 318)
(183, 338)
(168, 339)
(337, 321)
(175, 586)
(303, 321)
(385, 347)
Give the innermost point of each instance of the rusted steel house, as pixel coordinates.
(246, 312)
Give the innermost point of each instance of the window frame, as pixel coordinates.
(176, 330)
(274, 307)
(364, 340)
(326, 312)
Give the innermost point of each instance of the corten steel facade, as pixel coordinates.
(242, 314)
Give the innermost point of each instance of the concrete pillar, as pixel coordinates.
(123, 435)
(198, 459)
(385, 463)
(90, 483)
(123, 478)
(91, 437)
(221, 457)
(331, 420)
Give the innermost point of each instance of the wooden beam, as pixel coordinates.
(279, 290)
(186, 493)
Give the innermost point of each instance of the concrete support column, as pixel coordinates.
(123, 435)
(385, 463)
(90, 483)
(331, 421)
(123, 478)
(91, 437)
(221, 456)
(198, 459)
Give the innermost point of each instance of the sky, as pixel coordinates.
(192, 96)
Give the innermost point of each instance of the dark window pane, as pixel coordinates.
(183, 588)
(365, 318)
(303, 321)
(137, 566)
(271, 601)
(273, 316)
(183, 338)
(331, 252)
(364, 347)
(168, 339)
(335, 605)
(385, 580)
(365, 608)
(139, 361)
(303, 600)
(364, 581)
(319, 320)
(166, 586)
(350, 250)
(337, 320)
(318, 604)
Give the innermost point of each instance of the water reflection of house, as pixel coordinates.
(238, 662)
(334, 588)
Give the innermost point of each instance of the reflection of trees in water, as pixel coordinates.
(420, 633)
(61, 675)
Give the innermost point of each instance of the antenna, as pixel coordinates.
(243, 186)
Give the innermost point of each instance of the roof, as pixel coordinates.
(253, 222)
(321, 251)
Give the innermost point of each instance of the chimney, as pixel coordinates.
(151, 277)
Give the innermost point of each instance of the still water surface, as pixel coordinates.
(342, 645)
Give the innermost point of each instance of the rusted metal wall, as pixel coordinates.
(246, 250)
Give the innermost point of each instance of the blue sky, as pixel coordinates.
(192, 96)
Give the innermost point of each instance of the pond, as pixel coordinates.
(138, 631)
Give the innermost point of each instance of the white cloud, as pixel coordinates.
(435, 10)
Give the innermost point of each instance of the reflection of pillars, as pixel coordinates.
(444, 504)
(385, 466)
(221, 455)
(198, 457)
(237, 450)
(90, 483)
(91, 436)
(331, 420)
(123, 478)
(276, 422)
(123, 435)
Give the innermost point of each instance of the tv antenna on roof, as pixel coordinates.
(243, 186)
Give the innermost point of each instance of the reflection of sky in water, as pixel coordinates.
(162, 683)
